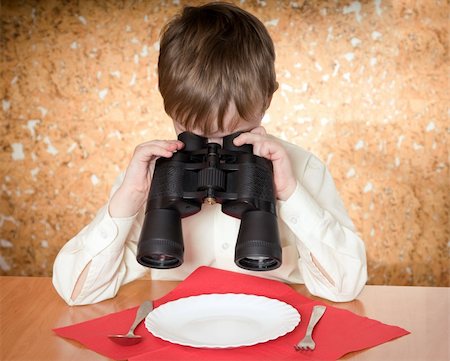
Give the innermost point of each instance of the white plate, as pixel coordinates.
(222, 320)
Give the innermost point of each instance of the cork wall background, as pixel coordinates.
(363, 84)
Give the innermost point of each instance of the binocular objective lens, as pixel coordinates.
(161, 257)
(259, 259)
(259, 263)
(161, 260)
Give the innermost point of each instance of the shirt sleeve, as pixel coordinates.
(106, 244)
(316, 215)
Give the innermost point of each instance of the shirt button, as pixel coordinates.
(294, 220)
(225, 246)
(314, 164)
(103, 233)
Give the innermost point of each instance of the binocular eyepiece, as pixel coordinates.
(206, 172)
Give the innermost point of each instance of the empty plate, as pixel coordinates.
(222, 320)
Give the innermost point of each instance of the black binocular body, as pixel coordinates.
(207, 172)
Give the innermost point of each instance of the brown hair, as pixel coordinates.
(212, 56)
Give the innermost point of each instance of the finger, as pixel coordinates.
(259, 130)
(263, 146)
(175, 145)
(240, 140)
(270, 150)
(247, 138)
(167, 144)
(147, 151)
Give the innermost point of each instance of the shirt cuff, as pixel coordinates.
(305, 217)
(301, 210)
(107, 230)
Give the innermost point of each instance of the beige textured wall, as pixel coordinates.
(363, 84)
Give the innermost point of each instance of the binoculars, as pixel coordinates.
(205, 172)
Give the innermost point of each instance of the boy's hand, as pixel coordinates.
(133, 192)
(268, 147)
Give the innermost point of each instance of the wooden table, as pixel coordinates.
(30, 308)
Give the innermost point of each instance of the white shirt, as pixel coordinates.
(313, 221)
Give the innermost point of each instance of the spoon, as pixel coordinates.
(130, 338)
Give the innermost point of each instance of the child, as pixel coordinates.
(217, 77)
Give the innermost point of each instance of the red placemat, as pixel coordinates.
(338, 332)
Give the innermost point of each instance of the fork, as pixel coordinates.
(307, 343)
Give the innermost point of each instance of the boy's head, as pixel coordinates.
(216, 68)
